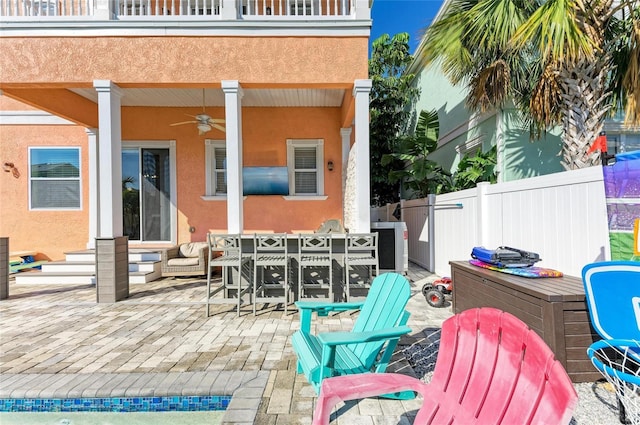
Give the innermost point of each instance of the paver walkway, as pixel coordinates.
(55, 341)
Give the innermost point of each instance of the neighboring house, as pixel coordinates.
(90, 91)
(464, 131)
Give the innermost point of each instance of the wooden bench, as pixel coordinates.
(554, 307)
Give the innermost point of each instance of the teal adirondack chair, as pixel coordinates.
(368, 347)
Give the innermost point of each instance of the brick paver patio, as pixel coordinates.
(56, 342)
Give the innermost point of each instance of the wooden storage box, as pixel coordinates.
(554, 307)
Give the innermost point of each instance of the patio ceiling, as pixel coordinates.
(192, 97)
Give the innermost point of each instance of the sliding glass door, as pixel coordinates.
(146, 194)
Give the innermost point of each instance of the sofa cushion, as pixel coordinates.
(191, 261)
(191, 249)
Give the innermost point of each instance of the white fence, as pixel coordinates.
(562, 217)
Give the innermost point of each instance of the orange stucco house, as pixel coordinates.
(90, 90)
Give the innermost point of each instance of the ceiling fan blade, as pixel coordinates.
(184, 122)
(219, 127)
(217, 120)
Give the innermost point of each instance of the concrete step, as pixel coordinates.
(69, 267)
(84, 256)
(90, 267)
(144, 266)
(55, 278)
(140, 255)
(80, 268)
(144, 277)
(77, 278)
(135, 255)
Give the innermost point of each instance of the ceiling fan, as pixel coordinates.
(204, 122)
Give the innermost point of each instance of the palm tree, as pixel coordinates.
(562, 62)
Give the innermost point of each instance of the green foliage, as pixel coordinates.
(422, 176)
(391, 93)
(419, 174)
(475, 169)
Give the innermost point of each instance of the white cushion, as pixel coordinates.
(192, 261)
(191, 249)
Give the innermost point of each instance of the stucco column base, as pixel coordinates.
(112, 269)
(4, 268)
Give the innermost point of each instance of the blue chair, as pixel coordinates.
(367, 347)
(612, 290)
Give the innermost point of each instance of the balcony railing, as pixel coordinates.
(170, 9)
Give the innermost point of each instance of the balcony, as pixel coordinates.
(157, 11)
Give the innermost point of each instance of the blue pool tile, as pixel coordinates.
(117, 404)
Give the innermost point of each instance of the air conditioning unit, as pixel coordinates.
(393, 246)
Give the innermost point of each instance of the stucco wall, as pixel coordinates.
(195, 60)
(49, 232)
(265, 131)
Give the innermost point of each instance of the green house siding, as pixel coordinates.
(524, 158)
(461, 129)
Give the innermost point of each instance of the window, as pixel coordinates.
(305, 159)
(54, 178)
(216, 168)
(622, 142)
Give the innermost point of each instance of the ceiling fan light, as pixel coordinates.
(203, 128)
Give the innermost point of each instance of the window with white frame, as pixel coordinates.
(54, 178)
(216, 167)
(305, 159)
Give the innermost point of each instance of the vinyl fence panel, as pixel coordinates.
(562, 217)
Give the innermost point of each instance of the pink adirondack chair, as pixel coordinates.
(491, 369)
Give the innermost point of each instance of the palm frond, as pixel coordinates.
(555, 30)
(490, 87)
(494, 22)
(546, 99)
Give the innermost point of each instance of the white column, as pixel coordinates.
(110, 154)
(233, 123)
(94, 165)
(362, 217)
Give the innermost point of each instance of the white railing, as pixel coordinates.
(46, 8)
(562, 217)
(170, 9)
(296, 8)
(156, 8)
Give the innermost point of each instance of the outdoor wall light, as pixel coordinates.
(330, 165)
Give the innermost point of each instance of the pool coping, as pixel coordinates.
(246, 388)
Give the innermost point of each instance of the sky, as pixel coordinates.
(411, 16)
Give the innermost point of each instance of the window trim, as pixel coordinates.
(305, 143)
(78, 179)
(210, 171)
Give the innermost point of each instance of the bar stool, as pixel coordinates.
(360, 250)
(231, 256)
(315, 251)
(270, 253)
